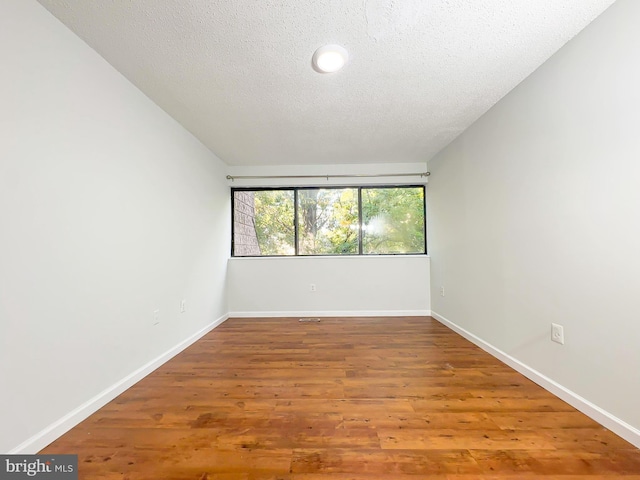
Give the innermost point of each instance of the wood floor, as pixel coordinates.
(343, 399)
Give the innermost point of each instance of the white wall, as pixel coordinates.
(353, 286)
(359, 285)
(108, 211)
(535, 218)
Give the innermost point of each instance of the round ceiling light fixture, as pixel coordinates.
(330, 58)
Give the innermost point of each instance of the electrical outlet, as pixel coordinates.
(442, 291)
(312, 287)
(183, 306)
(156, 317)
(557, 333)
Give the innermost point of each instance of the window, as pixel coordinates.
(328, 221)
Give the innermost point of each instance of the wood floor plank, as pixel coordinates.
(438, 420)
(560, 462)
(341, 399)
(398, 462)
(435, 439)
(542, 420)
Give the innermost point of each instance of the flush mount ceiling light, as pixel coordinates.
(330, 58)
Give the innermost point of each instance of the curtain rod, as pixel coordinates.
(258, 177)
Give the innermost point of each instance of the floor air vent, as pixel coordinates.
(309, 320)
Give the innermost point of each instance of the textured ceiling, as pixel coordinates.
(238, 74)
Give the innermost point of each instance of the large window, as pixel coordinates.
(328, 221)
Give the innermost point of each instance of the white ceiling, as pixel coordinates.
(238, 74)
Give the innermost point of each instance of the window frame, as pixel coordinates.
(358, 188)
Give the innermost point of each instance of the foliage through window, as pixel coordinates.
(328, 221)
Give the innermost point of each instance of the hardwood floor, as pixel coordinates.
(343, 399)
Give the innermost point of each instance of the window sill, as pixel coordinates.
(316, 257)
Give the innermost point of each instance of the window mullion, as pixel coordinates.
(295, 222)
(359, 220)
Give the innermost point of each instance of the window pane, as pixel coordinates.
(263, 223)
(328, 221)
(393, 220)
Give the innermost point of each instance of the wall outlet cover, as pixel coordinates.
(557, 333)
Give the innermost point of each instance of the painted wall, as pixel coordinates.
(377, 286)
(109, 210)
(535, 218)
(380, 285)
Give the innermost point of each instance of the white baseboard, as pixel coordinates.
(606, 419)
(337, 313)
(73, 418)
